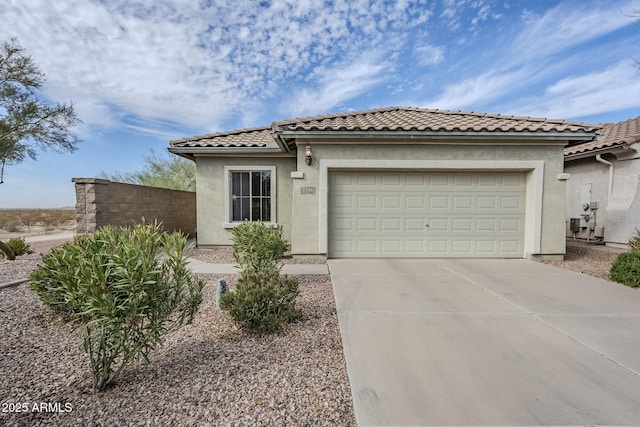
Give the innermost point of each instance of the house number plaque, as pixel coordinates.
(308, 190)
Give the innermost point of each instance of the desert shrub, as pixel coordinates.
(19, 246)
(125, 287)
(258, 247)
(634, 242)
(13, 226)
(625, 269)
(262, 302)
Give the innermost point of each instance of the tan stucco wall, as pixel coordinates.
(620, 214)
(211, 195)
(303, 214)
(309, 208)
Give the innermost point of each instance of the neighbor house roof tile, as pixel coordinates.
(612, 135)
(387, 119)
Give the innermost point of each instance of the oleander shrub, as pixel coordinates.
(258, 247)
(625, 269)
(263, 300)
(19, 246)
(125, 287)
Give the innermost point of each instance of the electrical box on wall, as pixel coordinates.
(574, 225)
(593, 206)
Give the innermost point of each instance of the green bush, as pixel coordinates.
(19, 246)
(625, 269)
(125, 287)
(258, 247)
(262, 302)
(634, 242)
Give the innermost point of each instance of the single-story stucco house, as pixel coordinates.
(603, 194)
(391, 182)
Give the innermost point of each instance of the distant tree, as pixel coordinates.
(27, 122)
(161, 171)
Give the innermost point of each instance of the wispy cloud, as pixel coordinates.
(200, 63)
(565, 26)
(542, 53)
(334, 86)
(428, 54)
(584, 95)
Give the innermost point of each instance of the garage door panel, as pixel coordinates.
(415, 202)
(414, 247)
(391, 224)
(438, 247)
(367, 202)
(391, 202)
(366, 224)
(426, 214)
(439, 202)
(462, 202)
(414, 224)
(367, 247)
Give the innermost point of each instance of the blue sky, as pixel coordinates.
(141, 73)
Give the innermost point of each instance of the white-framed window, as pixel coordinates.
(250, 194)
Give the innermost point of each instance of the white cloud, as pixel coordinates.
(588, 94)
(428, 54)
(478, 90)
(334, 87)
(565, 26)
(199, 63)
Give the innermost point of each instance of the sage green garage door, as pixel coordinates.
(426, 214)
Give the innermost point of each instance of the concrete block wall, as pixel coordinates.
(101, 202)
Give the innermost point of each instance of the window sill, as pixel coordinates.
(230, 225)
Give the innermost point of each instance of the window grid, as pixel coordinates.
(251, 196)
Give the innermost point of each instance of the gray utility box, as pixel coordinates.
(574, 225)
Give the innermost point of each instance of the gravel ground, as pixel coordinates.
(26, 264)
(588, 259)
(207, 373)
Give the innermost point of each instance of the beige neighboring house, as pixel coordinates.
(391, 182)
(603, 193)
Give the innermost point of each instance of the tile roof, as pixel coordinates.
(612, 135)
(388, 119)
(422, 119)
(253, 137)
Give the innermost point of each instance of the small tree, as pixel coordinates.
(160, 171)
(27, 122)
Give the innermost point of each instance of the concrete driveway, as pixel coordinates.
(487, 342)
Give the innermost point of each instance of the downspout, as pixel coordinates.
(601, 160)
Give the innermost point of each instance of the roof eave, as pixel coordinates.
(594, 152)
(439, 135)
(191, 152)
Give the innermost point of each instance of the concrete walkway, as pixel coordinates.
(201, 267)
(487, 342)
